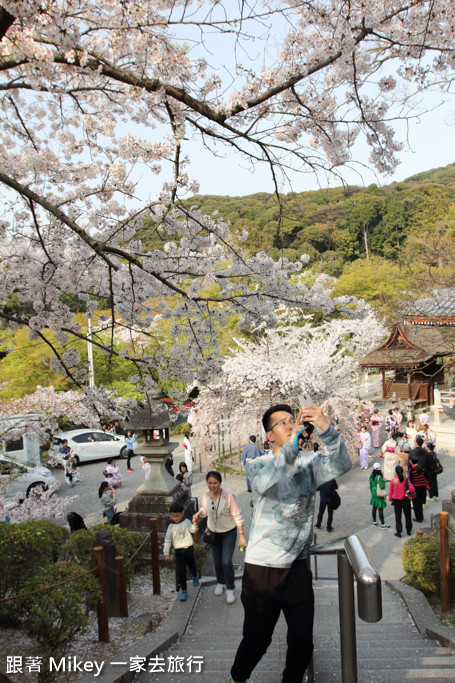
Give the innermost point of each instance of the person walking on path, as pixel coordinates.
(70, 470)
(188, 451)
(434, 469)
(398, 417)
(130, 442)
(325, 501)
(179, 535)
(249, 453)
(423, 417)
(398, 498)
(422, 455)
(224, 517)
(403, 449)
(277, 576)
(377, 421)
(378, 490)
(391, 458)
(365, 445)
(420, 483)
(391, 425)
(411, 433)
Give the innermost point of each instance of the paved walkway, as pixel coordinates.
(391, 651)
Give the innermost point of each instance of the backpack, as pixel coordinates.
(335, 500)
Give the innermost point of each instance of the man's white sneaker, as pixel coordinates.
(230, 597)
(219, 590)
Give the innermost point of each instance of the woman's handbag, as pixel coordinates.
(408, 494)
(208, 536)
(381, 493)
(438, 468)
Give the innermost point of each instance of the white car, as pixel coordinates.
(23, 479)
(89, 444)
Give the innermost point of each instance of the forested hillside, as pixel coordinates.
(339, 225)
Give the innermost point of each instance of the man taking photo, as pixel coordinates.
(277, 576)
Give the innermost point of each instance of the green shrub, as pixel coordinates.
(79, 546)
(421, 562)
(55, 616)
(25, 548)
(58, 535)
(200, 555)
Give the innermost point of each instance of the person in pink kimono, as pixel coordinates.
(145, 466)
(377, 421)
(365, 445)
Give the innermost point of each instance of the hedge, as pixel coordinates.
(421, 562)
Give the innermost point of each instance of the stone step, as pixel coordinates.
(391, 651)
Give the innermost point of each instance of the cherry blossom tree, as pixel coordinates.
(319, 361)
(37, 415)
(38, 505)
(101, 99)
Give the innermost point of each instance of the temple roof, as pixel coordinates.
(408, 345)
(438, 309)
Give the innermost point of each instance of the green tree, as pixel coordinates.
(380, 282)
(389, 235)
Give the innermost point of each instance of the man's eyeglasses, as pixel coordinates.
(283, 423)
(213, 505)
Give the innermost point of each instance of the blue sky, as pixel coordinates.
(431, 145)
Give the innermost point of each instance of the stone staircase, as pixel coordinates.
(391, 651)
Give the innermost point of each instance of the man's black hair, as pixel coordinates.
(280, 407)
(419, 440)
(430, 446)
(253, 438)
(176, 507)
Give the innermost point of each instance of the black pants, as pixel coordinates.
(184, 557)
(266, 591)
(129, 455)
(419, 502)
(405, 506)
(433, 484)
(322, 507)
(381, 514)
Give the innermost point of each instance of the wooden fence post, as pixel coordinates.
(445, 561)
(121, 586)
(103, 621)
(155, 551)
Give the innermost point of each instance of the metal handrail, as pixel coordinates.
(353, 559)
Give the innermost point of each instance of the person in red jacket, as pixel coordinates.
(397, 496)
(420, 483)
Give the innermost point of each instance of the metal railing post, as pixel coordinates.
(347, 619)
(353, 561)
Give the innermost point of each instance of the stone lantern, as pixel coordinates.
(160, 489)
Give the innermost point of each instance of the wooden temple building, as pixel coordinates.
(414, 351)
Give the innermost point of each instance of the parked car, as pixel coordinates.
(89, 444)
(23, 479)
